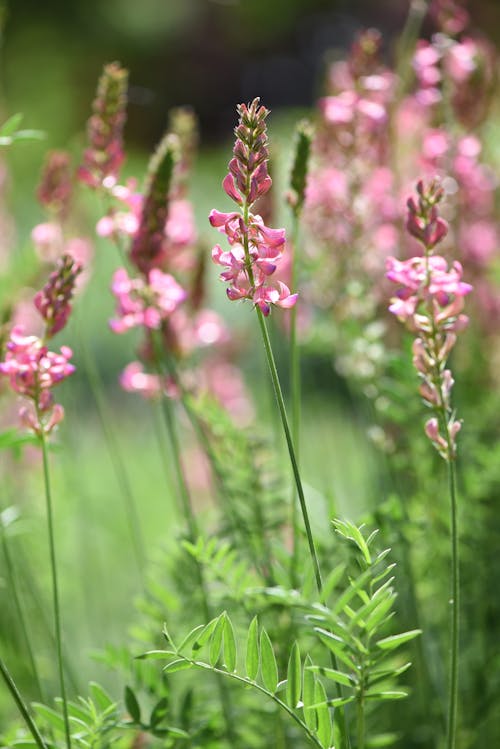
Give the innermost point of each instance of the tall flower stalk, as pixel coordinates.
(429, 302)
(21, 706)
(33, 371)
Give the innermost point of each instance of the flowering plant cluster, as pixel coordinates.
(429, 301)
(255, 248)
(32, 369)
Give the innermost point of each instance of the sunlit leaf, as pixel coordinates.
(324, 729)
(394, 641)
(216, 640)
(308, 682)
(268, 665)
(229, 645)
(294, 677)
(179, 665)
(252, 654)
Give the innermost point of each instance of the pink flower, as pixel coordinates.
(146, 303)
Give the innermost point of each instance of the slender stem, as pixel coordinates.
(22, 707)
(291, 451)
(361, 723)
(455, 610)
(133, 518)
(193, 530)
(295, 387)
(55, 589)
(19, 609)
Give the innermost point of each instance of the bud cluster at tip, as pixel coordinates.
(56, 183)
(104, 156)
(423, 220)
(54, 301)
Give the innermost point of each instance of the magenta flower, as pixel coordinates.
(429, 301)
(255, 249)
(144, 303)
(33, 371)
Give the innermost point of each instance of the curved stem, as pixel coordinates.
(20, 613)
(55, 589)
(21, 706)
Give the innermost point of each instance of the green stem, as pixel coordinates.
(291, 451)
(55, 589)
(455, 608)
(361, 723)
(193, 531)
(19, 609)
(295, 388)
(133, 519)
(22, 707)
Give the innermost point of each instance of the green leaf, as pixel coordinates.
(294, 677)
(216, 640)
(268, 665)
(100, 696)
(229, 645)
(191, 639)
(336, 646)
(51, 716)
(324, 730)
(308, 683)
(205, 634)
(334, 675)
(155, 655)
(10, 126)
(132, 705)
(389, 673)
(178, 665)
(159, 712)
(393, 642)
(388, 695)
(252, 655)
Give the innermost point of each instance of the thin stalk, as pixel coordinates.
(55, 588)
(19, 609)
(22, 707)
(133, 518)
(361, 723)
(295, 388)
(455, 608)
(291, 451)
(193, 531)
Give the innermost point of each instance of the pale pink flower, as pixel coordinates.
(144, 303)
(48, 240)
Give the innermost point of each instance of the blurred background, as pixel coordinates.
(210, 55)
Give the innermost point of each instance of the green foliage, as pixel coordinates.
(9, 132)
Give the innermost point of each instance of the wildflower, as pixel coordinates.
(255, 249)
(144, 302)
(33, 371)
(53, 301)
(429, 301)
(55, 188)
(104, 157)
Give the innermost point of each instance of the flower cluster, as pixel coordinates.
(33, 371)
(255, 249)
(56, 183)
(31, 368)
(429, 301)
(104, 156)
(144, 302)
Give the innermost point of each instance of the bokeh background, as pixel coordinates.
(209, 54)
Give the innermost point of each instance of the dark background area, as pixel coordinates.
(206, 53)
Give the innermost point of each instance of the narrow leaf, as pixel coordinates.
(132, 705)
(252, 655)
(389, 695)
(268, 665)
(336, 646)
(205, 634)
(51, 716)
(191, 639)
(308, 700)
(10, 126)
(179, 665)
(334, 675)
(294, 677)
(159, 712)
(216, 640)
(155, 655)
(324, 729)
(229, 645)
(393, 642)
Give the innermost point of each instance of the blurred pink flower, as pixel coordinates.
(144, 303)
